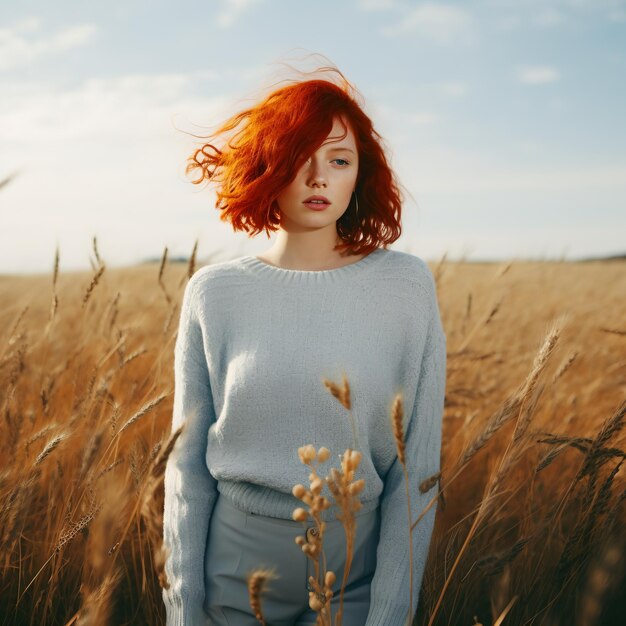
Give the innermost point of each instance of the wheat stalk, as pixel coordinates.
(160, 278)
(145, 409)
(257, 582)
(92, 285)
(50, 446)
(397, 419)
(343, 394)
(191, 267)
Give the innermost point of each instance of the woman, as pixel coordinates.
(257, 336)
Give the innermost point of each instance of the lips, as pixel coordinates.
(322, 199)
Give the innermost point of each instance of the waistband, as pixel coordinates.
(267, 502)
(289, 522)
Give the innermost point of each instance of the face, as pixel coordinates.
(331, 172)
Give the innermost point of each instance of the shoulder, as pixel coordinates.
(413, 270)
(424, 288)
(214, 274)
(205, 278)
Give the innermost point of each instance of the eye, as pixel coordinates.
(346, 162)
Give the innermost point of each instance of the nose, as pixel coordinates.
(315, 175)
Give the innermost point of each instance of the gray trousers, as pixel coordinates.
(239, 542)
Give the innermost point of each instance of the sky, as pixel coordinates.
(504, 121)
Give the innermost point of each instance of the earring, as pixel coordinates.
(357, 202)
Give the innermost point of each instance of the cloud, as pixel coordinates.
(538, 75)
(19, 48)
(125, 106)
(443, 24)
(511, 14)
(232, 10)
(27, 24)
(106, 157)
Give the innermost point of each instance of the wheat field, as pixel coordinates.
(530, 517)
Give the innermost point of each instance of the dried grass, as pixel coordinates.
(532, 452)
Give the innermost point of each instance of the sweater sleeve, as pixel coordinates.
(190, 490)
(389, 592)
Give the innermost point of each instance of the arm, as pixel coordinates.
(389, 601)
(190, 490)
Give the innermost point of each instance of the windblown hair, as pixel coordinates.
(276, 138)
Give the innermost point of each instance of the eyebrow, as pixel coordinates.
(341, 149)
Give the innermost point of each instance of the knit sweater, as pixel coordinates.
(254, 343)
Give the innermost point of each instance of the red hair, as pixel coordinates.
(276, 138)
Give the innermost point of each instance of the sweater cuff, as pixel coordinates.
(182, 613)
(385, 612)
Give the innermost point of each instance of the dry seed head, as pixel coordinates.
(83, 522)
(39, 435)
(397, 415)
(503, 414)
(50, 446)
(306, 454)
(257, 580)
(330, 578)
(131, 357)
(109, 467)
(541, 360)
(55, 271)
(317, 485)
(94, 281)
(162, 266)
(565, 365)
(323, 454)
(300, 515)
(191, 267)
(95, 251)
(333, 388)
(356, 487)
(429, 483)
(145, 409)
(355, 458)
(314, 602)
(493, 311)
(334, 489)
(504, 270)
(341, 393)
(298, 491)
(160, 278)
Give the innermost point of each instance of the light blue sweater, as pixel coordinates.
(254, 343)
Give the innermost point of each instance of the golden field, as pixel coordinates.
(530, 518)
